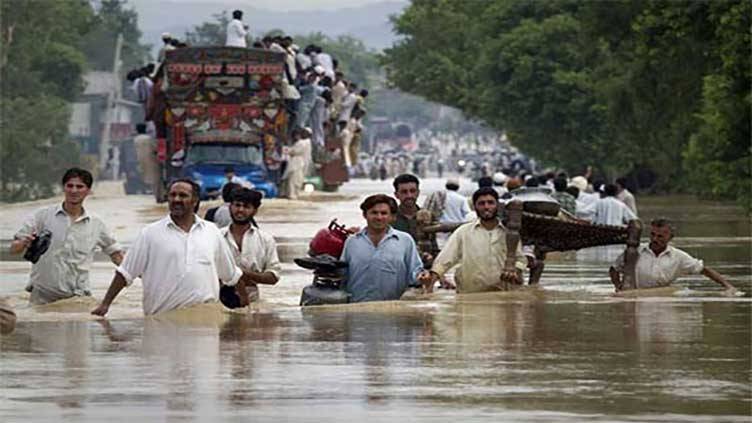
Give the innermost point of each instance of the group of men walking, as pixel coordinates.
(181, 258)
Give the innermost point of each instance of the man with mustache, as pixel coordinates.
(480, 249)
(254, 250)
(178, 258)
(63, 270)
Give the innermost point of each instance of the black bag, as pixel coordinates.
(39, 246)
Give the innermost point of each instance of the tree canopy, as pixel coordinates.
(622, 85)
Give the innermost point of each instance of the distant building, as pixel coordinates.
(89, 113)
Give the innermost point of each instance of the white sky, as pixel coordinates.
(276, 5)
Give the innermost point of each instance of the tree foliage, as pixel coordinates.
(45, 48)
(622, 85)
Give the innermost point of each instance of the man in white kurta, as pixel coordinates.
(254, 250)
(610, 211)
(180, 258)
(479, 248)
(236, 31)
(300, 155)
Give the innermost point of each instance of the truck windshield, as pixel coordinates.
(218, 153)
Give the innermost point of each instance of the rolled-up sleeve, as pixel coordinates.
(106, 241)
(688, 265)
(272, 264)
(227, 271)
(136, 259)
(31, 224)
(449, 255)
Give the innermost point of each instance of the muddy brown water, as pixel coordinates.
(568, 351)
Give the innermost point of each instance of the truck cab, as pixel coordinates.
(206, 164)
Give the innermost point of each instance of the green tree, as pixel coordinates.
(212, 33)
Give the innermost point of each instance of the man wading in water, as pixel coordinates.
(178, 258)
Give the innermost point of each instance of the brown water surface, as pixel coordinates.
(568, 351)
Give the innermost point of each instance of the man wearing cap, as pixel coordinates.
(254, 250)
(660, 264)
(167, 40)
(456, 208)
(236, 31)
(584, 199)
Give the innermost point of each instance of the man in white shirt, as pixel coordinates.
(180, 258)
(254, 250)
(236, 31)
(300, 156)
(480, 249)
(456, 208)
(624, 195)
(610, 211)
(660, 264)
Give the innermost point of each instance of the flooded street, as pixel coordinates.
(567, 351)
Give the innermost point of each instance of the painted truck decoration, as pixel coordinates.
(220, 107)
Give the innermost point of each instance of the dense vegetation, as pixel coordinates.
(45, 48)
(621, 85)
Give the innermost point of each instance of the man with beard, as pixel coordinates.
(382, 262)
(178, 258)
(480, 249)
(254, 250)
(76, 234)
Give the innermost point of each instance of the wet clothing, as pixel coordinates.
(178, 268)
(661, 270)
(627, 198)
(259, 254)
(405, 224)
(236, 33)
(380, 272)
(7, 317)
(480, 254)
(63, 271)
(566, 201)
(610, 211)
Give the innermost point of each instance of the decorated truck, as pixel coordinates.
(219, 107)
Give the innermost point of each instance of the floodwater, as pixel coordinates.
(568, 351)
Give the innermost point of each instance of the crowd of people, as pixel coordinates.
(321, 103)
(183, 259)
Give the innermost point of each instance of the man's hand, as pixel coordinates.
(510, 276)
(101, 309)
(427, 279)
(21, 244)
(729, 292)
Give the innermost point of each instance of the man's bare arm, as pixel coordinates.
(717, 278)
(117, 285)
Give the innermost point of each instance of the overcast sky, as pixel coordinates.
(276, 5)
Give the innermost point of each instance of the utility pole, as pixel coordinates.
(112, 96)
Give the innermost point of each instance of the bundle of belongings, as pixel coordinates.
(329, 274)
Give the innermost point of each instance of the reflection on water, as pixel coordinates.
(569, 359)
(567, 351)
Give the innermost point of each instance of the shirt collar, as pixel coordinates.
(476, 223)
(666, 252)
(59, 209)
(198, 223)
(389, 232)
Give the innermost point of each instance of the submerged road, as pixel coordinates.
(567, 351)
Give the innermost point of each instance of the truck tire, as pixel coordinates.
(330, 187)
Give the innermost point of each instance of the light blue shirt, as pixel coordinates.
(380, 272)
